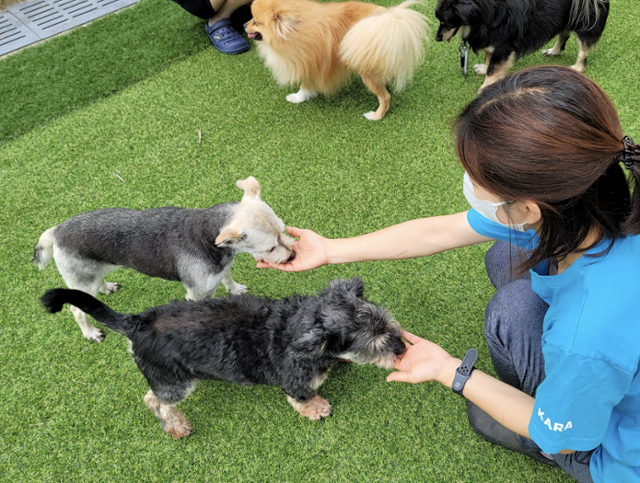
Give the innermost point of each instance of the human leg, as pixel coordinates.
(513, 329)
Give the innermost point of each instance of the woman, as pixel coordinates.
(545, 161)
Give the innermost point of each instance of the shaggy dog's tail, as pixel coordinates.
(43, 252)
(54, 299)
(388, 46)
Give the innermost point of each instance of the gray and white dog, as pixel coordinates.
(290, 343)
(194, 246)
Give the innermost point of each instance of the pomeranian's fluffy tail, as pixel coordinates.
(43, 252)
(54, 299)
(389, 46)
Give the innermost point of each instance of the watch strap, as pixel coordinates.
(464, 371)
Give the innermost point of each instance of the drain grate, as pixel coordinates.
(14, 34)
(45, 18)
(50, 17)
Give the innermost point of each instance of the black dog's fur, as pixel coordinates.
(290, 343)
(508, 29)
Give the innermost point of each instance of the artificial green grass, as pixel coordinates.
(92, 62)
(72, 410)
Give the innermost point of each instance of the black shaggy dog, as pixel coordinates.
(507, 29)
(290, 343)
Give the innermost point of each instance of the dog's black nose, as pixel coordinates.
(292, 256)
(399, 347)
(245, 24)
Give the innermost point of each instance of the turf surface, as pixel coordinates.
(137, 110)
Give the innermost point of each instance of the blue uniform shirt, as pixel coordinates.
(591, 346)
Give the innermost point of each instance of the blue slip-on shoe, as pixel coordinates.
(225, 38)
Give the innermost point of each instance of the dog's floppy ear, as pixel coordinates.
(355, 286)
(250, 186)
(284, 24)
(311, 345)
(229, 236)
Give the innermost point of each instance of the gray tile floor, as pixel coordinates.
(27, 22)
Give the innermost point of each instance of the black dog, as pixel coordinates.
(507, 29)
(290, 343)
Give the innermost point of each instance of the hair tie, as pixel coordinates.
(630, 153)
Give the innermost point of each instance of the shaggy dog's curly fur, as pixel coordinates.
(290, 343)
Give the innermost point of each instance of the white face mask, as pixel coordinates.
(486, 208)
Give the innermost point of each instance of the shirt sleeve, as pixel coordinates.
(573, 405)
(491, 229)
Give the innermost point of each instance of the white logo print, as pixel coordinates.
(553, 426)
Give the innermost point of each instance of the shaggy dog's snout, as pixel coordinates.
(399, 347)
(292, 256)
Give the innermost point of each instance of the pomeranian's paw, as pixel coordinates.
(301, 96)
(372, 116)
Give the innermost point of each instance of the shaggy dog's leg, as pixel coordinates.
(378, 88)
(306, 92)
(172, 420)
(109, 287)
(558, 47)
(316, 408)
(232, 287)
(84, 275)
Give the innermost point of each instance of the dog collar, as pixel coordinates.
(464, 371)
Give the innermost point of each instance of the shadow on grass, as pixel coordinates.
(92, 62)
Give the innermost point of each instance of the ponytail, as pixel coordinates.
(630, 157)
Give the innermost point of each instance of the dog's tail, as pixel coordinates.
(54, 299)
(43, 252)
(585, 14)
(389, 46)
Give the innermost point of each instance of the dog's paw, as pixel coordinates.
(480, 69)
(238, 289)
(94, 335)
(317, 408)
(178, 428)
(549, 53)
(371, 115)
(578, 67)
(109, 287)
(296, 98)
(301, 96)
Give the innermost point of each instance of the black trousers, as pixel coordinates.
(199, 8)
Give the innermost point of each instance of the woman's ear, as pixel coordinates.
(534, 215)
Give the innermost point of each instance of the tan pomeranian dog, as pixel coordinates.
(320, 45)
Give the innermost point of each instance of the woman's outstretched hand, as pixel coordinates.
(422, 362)
(310, 251)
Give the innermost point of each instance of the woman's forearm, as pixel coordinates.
(415, 238)
(506, 404)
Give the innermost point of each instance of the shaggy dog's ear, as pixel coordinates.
(251, 188)
(355, 286)
(284, 24)
(228, 237)
(311, 345)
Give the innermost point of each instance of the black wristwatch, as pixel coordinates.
(464, 371)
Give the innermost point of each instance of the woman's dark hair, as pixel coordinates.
(551, 135)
